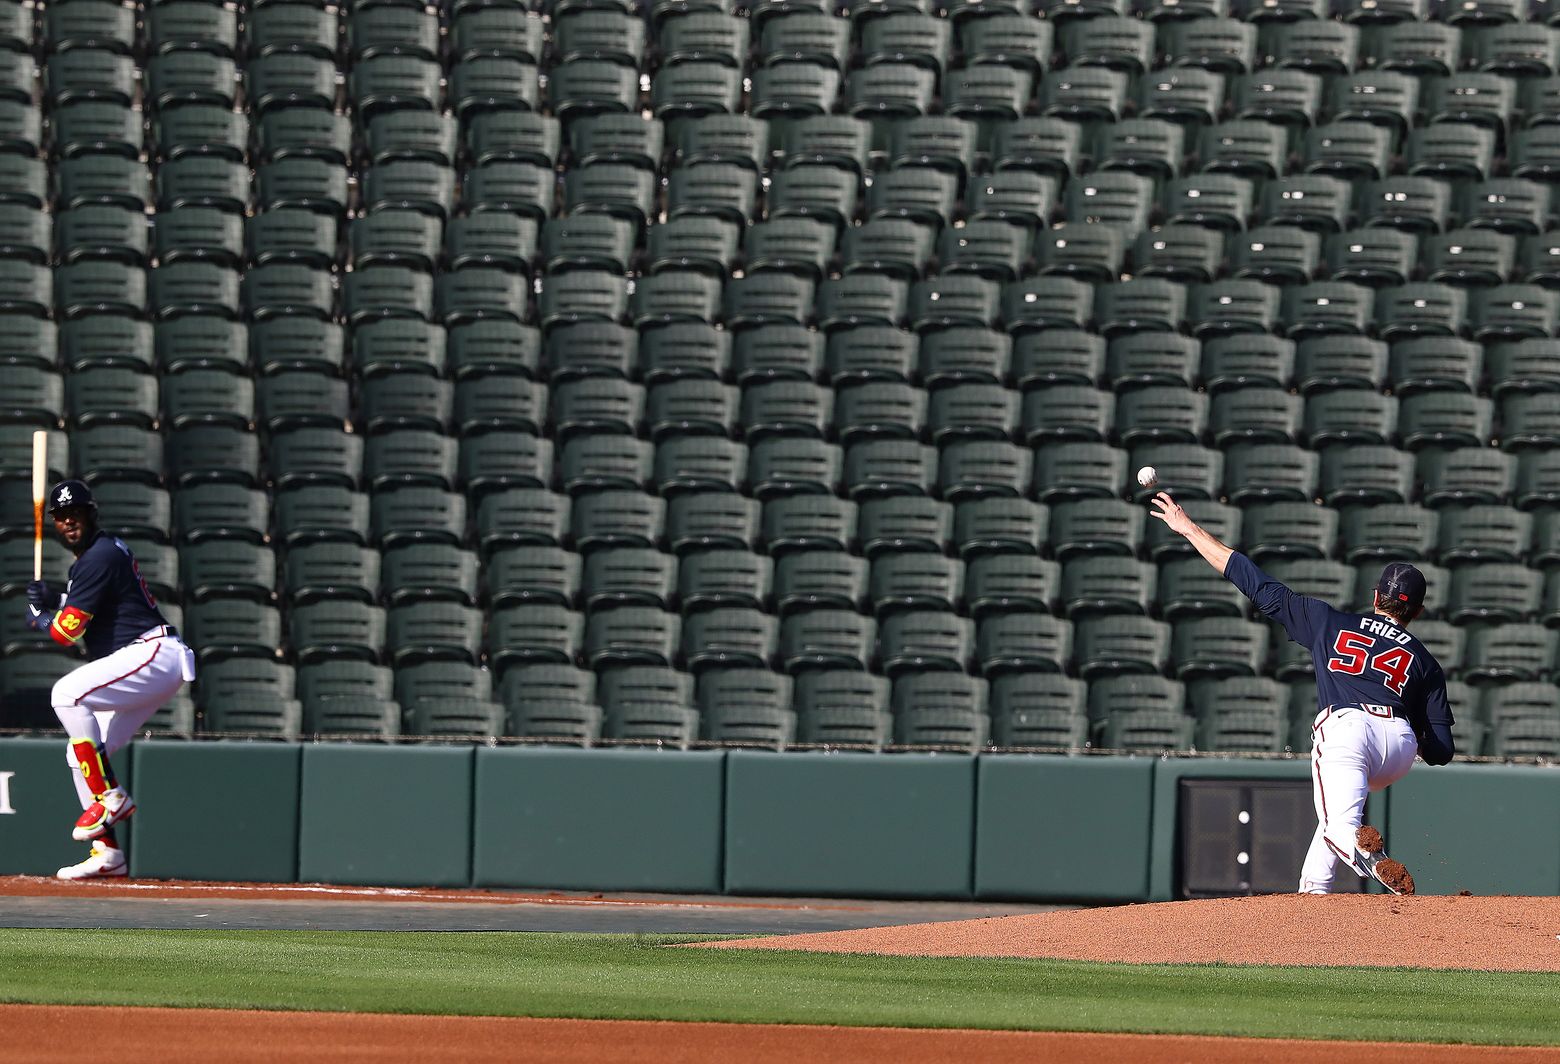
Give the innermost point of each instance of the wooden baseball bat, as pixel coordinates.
(40, 488)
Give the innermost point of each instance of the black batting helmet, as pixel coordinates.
(69, 494)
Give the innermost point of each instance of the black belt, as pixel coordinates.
(1393, 711)
(167, 631)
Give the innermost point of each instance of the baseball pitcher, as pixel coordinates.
(1382, 699)
(136, 663)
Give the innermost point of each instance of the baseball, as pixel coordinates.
(1148, 476)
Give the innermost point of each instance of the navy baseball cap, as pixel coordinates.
(1401, 582)
(70, 493)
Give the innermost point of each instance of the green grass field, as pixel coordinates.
(633, 977)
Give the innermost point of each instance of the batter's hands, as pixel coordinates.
(39, 621)
(42, 596)
(1169, 511)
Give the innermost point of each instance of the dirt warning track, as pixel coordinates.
(39, 1033)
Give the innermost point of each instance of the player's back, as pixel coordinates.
(1367, 659)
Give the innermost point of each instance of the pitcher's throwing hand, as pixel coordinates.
(1170, 513)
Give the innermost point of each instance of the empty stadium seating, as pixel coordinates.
(745, 373)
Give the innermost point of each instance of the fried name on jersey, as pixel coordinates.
(1376, 626)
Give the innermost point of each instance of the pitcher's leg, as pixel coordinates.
(1321, 864)
(1339, 781)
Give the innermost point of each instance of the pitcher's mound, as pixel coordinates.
(1358, 930)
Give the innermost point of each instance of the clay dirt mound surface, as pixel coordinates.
(1510, 934)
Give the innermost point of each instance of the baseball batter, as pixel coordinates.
(1382, 699)
(136, 663)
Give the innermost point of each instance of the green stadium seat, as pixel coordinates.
(532, 574)
(999, 525)
(329, 512)
(126, 508)
(428, 572)
(1185, 95)
(428, 631)
(244, 678)
(432, 680)
(106, 395)
(328, 630)
(392, 30)
(1082, 526)
(410, 457)
(298, 398)
(319, 569)
(346, 679)
(286, 133)
(221, 511)
(895, 524)
(522, 517)
(417, 135)
(1252, 149)
(727, 637)
(1506, 653)
(1255, 416)
(1111, 644)
(534, 634)
(699, 464)
(842, 708)
(1525, 737)
(216, 568)
(1288, 530)
(499, 402)
(394, 236)
(1117, 697)
(1507, 205)
(253, 717)
(1189, 588)
(1106, 584)
(454, 718)
(1473, 474)
(1184, 254)
(1217, 647)
(633, 635)
(416, 513)
(1310, 201)
(658, 723)
(1385, 531)
(1117, 198)
(493, 347)
(519, 185)
(286, 78)
(1494, 592)
(1481, 257)
(617, 518)
(353, 718)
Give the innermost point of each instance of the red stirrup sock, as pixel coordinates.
(95, 768)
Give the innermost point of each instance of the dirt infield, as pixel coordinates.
(1512, 934)
(39, 1033)
(184, 889)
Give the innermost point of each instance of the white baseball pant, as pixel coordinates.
(108, 700)
(1355, 752)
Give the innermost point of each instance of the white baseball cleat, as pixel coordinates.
(1371, 860)
(104, 862)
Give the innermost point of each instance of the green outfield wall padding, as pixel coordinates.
(1168, 774)
(1488, 829)
(386, 815)
(1062, 828)
(621, 819)
(220, 810)
(864, 825)
(38, 806)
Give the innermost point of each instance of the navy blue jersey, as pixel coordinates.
(107, 604)
(1360, 659)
